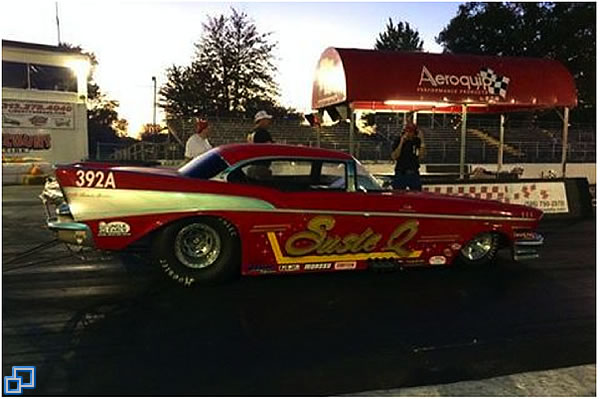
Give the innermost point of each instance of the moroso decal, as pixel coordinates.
(316, 244)
(113, 229)
(317, 266)
(344, 265)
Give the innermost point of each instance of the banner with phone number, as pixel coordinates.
(37, 114)
(550, 197)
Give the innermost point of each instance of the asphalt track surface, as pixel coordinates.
(108, 325)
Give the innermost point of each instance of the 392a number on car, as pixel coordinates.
(95, 179)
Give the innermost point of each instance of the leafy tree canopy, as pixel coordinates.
(232, 73)
(399, 37)
(562, 31)
(153, 133)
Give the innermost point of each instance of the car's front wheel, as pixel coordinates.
(199, 250)
(481, 250)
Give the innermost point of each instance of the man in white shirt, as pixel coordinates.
(198, 143)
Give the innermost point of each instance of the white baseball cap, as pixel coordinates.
(262, 115)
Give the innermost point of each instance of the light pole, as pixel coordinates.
(57, 22)
(154, 105)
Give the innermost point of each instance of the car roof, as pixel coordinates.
(234, 153)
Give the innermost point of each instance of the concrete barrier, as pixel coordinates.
(558, 198)
(530, 170)
(25, 172)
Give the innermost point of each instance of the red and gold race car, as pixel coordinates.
(255, 209)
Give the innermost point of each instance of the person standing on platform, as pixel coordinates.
(260, 134)
(408, 149)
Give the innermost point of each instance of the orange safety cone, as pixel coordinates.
(34, 176)
(35, 170)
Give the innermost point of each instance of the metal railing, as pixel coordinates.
(141, 151)
(436, 151)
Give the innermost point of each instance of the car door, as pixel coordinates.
(315, 222)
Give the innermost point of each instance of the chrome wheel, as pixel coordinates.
(197, 246)
(478, 247)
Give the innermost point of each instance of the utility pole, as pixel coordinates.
(154, 105)
(57, 22)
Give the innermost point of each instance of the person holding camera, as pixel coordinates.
(409, 149)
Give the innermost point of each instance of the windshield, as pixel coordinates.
(204, 166)
(365, 181)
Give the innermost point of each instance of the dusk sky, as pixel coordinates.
(135, 40)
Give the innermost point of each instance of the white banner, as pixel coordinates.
(36, 114)
(550, 197)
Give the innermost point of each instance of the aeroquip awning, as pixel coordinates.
(408, 81)
(363, 80)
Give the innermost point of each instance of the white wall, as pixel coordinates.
(67, 145)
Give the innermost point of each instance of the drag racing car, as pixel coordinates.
(254, 209)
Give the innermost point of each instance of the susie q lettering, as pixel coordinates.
(316, 239)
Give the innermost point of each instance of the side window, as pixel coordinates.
(48, 77)
(293, 174)
(333, 175)
(14, 75)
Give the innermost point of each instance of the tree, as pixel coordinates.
(400, 37)
(232, 73)
(153, 133)
(104, 124)
(562, 31)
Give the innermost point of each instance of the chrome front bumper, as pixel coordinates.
(59, 218)
(527, 248)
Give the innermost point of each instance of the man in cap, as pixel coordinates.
(260, 134)
(198, 143)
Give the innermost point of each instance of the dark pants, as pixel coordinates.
(407, 179)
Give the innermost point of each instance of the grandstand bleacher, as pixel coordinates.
(524, 143)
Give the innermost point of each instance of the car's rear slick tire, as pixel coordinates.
(480, 251)
(204, 250)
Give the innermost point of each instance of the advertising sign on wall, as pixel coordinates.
(37, 114)
(21, 142)
(550, 197)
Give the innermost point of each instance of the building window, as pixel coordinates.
(46, 77)
(14, 75)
